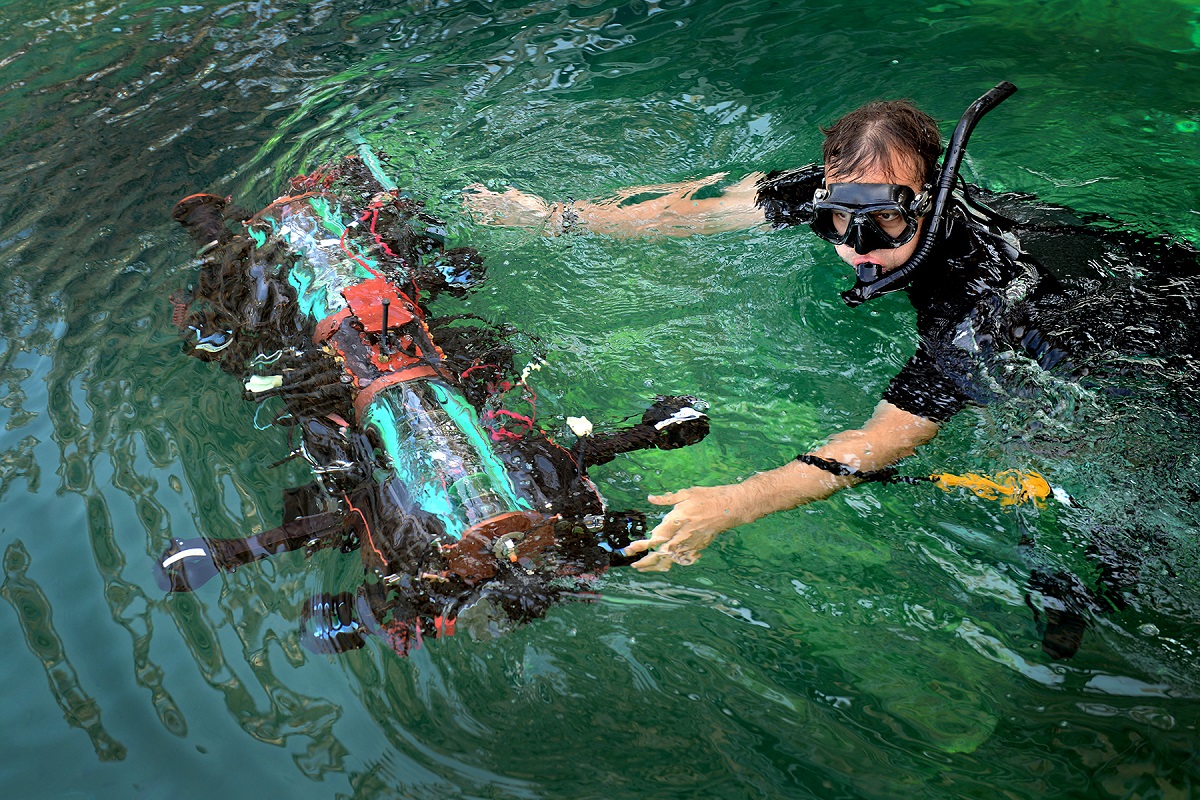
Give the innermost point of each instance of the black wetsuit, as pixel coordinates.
(981, 296)
(1119, 314)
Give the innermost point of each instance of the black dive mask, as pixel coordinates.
(870, 282)
(868, 216)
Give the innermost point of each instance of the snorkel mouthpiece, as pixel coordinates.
(866, 273)
(869, 283)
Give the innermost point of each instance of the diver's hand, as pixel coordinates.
(511, 208)
(700, 513)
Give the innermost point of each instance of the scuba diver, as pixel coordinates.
(981, 294)
(422, 436)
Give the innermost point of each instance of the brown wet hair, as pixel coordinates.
(893, 135)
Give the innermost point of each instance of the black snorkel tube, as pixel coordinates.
(870, 283)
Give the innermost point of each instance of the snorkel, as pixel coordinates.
(869, 282)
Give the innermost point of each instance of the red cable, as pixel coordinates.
(367, 527)
(498, 432)
(379, 239)
(532, 400)
(469, 370)
(501, 412)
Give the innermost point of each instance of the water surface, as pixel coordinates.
(874, 645)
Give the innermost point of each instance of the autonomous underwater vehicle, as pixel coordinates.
(450, 497)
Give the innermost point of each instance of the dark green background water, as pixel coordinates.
(875, 645)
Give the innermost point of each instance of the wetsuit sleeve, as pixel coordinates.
(924, 389)
(786, 197)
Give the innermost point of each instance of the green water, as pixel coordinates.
(876, 645)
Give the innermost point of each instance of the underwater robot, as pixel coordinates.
(453, 499)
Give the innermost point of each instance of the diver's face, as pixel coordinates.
(886, 259)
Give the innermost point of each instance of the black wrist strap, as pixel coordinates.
(832, 467)
(885, 475)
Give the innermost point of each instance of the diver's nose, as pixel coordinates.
(861, 247)
(860, 243)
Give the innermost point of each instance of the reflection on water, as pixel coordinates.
(37, 623)
(876, 645)
(285, 714)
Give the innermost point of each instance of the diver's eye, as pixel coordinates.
(890, 222)
(841, 220)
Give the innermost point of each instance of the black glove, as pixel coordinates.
(677, 421)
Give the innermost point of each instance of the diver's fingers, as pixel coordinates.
(668, 499)
(641, 545)
(686, 559)
(670, 530)
(654, 562)
(663, 534)
(662, 560)
(473, 191)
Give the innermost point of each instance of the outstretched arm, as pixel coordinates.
(702, 512)
(669, 210)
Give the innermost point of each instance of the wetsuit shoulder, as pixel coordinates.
(964, 299)
(925, 387)
(785, 196)
(1071, 292)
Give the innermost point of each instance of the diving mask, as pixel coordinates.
(868, 216)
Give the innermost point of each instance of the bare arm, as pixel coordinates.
(702, 512)
(671, 211)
